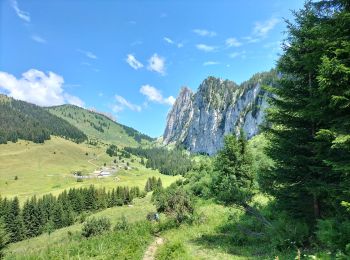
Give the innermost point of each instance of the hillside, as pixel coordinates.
(199, 121)
(28, 169)
(22, 120)
(99, 127)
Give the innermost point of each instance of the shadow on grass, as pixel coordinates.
(226, 243)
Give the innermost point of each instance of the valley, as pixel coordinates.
(49, 168)
(251, 160)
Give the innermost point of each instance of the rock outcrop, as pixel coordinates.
(199, 121)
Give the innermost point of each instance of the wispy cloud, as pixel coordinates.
(122, 103)
(154, 95)
(156, 63)
(208, 63)
(170, 41)
(203, 32)
(88, 54)
(38, 87)
(136, 43)
(251, 39)
(38, 39)
(232, 42)
(241, 54)
(25, 16)
(133, 62)
(261, 29)
(206, 48)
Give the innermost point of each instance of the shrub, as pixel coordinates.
(174, 202)
(287, 233)
(172, 250)
(334, 234)
(94, 227)
(122, 224)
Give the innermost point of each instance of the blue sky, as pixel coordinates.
(130, 58)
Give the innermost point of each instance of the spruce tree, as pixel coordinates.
(4, 238)
(301, 137)
(13, 221)
(233, 180)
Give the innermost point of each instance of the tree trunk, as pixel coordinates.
(316, 207)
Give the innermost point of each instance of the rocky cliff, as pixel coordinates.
(199, 121)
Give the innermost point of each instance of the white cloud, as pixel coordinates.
(203, 32)
(38, 39)
(25, 16)
(241, 54)
(232, 42)
(123, 103)
(36, 87)
(208, 63)
(170, 100)
(156, 63)
(251, 39)
(170, 41)
(133, 62)
(73, 100)
(155, 95)
(88, 54)
(206, 48)
(261, 29)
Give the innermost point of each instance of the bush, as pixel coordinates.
(94, 227)
(174, 202)
(334, 234)
(122, 224)
(172, 250)
(287, 233)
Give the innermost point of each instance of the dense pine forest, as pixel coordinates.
(22, 120)
(168, 162)
(39, 215)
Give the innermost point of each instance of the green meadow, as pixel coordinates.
(28, 169)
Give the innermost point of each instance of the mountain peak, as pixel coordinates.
(199, 121)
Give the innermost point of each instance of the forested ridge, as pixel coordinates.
(22, 120)
(168, 162)
(98, 125)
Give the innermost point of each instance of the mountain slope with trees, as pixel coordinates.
(22, 120)
(98, 126)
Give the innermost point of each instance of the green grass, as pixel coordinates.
(47, 168)
(211, 237)
(67, 243)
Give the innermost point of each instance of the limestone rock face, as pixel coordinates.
(199, 121)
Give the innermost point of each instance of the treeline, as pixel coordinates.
(169, 162)
(136, 134)
(49, 212)
(22, 120)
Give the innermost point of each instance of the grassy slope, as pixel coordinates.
(212, 237)
(114, 133)
(59, 245)
(41, 171)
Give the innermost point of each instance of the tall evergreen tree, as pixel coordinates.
(233, 180)
(303, 180)
(13, 221)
